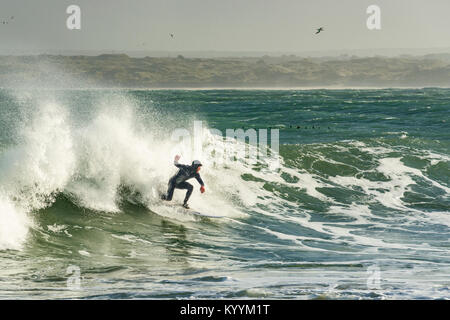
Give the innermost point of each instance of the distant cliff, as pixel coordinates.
(286, 71)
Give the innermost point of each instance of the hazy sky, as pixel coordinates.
(222, 25)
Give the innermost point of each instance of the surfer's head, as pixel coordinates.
(196, 165)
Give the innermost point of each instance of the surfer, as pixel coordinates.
(178, 181)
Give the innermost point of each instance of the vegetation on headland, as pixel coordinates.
(120, 70)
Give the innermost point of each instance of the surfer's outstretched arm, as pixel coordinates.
(175, 162)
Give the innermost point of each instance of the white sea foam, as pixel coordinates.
(34, 170)
(14, 225)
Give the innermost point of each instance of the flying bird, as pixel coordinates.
(319, 30)
(171, 35)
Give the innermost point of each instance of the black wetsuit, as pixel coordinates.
(178, 181)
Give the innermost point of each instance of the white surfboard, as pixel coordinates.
(194, 212)
(190, 210)
(197, 213)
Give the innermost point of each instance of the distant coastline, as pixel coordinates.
(266, 72)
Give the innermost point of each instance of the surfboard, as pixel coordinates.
(194, 212)
(200, 214)
(191, 211)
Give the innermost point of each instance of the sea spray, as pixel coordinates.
(14, 225)
(91, 161)
(39, 166)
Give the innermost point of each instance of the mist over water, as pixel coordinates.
(363, 185)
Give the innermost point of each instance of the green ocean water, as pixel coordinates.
(357, 208)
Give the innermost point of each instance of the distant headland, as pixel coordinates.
(123, 71)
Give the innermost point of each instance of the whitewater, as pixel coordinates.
(357, 205)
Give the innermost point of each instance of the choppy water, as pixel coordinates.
(359, 207)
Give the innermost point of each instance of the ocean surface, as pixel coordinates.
(354, 205)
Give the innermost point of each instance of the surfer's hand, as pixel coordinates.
(177, 157)
(202, 189)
